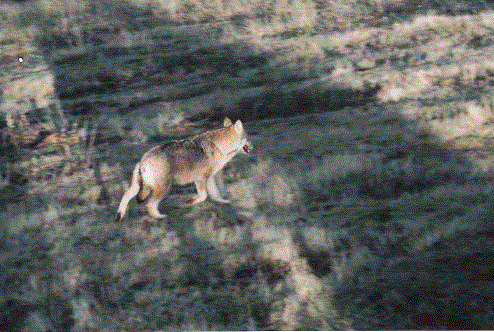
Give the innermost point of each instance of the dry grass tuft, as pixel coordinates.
(372, 126)
(266, 186)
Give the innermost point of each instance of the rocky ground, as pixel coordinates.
(367, 203)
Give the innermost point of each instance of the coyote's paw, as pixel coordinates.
(221, 200)
(158, 215)
(195, 200)
(191, 201)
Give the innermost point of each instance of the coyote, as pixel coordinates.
(195, 159)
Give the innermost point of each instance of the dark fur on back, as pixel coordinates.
(184, 146)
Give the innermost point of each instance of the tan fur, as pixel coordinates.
(196, 159)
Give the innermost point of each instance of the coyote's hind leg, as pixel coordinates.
(155, 199)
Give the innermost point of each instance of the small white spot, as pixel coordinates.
(21, 59)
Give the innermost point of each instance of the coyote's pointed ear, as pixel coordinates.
(239, 128)
(227, 122)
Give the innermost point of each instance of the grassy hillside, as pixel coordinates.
(367, 202)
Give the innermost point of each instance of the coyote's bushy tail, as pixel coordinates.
(135, 187)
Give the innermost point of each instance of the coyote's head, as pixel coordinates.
(233, 138)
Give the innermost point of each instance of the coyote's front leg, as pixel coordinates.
(214, 192)
(201, 193)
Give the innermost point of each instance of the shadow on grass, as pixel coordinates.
(130, 72)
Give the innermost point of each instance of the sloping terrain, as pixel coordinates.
(367, 202)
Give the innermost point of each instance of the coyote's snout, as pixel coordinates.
(195, 159)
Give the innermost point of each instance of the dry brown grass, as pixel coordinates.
(362, 181)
